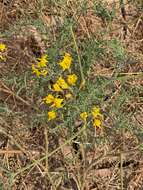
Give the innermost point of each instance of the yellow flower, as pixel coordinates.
(57, 103)
(97, 123)
(66, 62)
(51, 115)
(42, 61)
(96, 112)
(56, 87)
(49, 99)
(2, 47)
(35, 70)
(72, 79)
(61, 82)
(44, 72)
(83, 116)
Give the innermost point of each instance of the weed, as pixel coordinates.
(73, 107)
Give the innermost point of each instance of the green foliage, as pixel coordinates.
(1, 186)
(117, 95)
(91, 50)
(102, 11)
(118, 50)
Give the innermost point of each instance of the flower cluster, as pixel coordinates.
(61, 89)
(3, 48)
(62, 84)
(40, 69)
(97, 117)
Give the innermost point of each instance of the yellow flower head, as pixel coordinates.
(97, 123)
(42, 61)
(57, 102)
(57, 88)
(35, 70)
(72, 79)
(44, 72)
(96, 112)
(2, 47)
(49, 99)
(83, 116)
(66, 62)
(51, 115)
(62, 83)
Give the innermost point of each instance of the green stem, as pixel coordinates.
(79, 59)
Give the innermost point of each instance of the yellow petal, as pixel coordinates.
(66, 62)
(96, 112)
(72, 79)
(51, 115)
(42, 61)
(2, 47)
(97, 123)
(83, 116)
(62, 83)
(35, 70)
(49, 99)
(41, 64)
(57, 103)
(56, 87)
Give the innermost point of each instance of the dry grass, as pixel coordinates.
(33, 156)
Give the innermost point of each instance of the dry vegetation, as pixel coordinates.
(109, 36)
